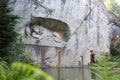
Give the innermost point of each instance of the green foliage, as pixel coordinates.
(21, 71)
(115, 47)
(7, 25)
(11, 49)
(18, 54)
(112, 6)
(4, 64)
(115, 59)
(104, 69)
(116, 8)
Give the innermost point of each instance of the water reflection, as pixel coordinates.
(70, 73)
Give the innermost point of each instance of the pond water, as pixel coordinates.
(71, 73)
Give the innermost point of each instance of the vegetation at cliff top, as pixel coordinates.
(113, 6)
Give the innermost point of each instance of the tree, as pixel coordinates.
(8, 35)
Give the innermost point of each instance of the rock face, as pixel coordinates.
(65, 33)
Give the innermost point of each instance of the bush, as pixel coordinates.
(115, 47)
(104, 69)
(22, 71)
(4, 64)
(18, 54)
(115, 59)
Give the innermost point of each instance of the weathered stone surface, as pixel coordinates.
(88, 21)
